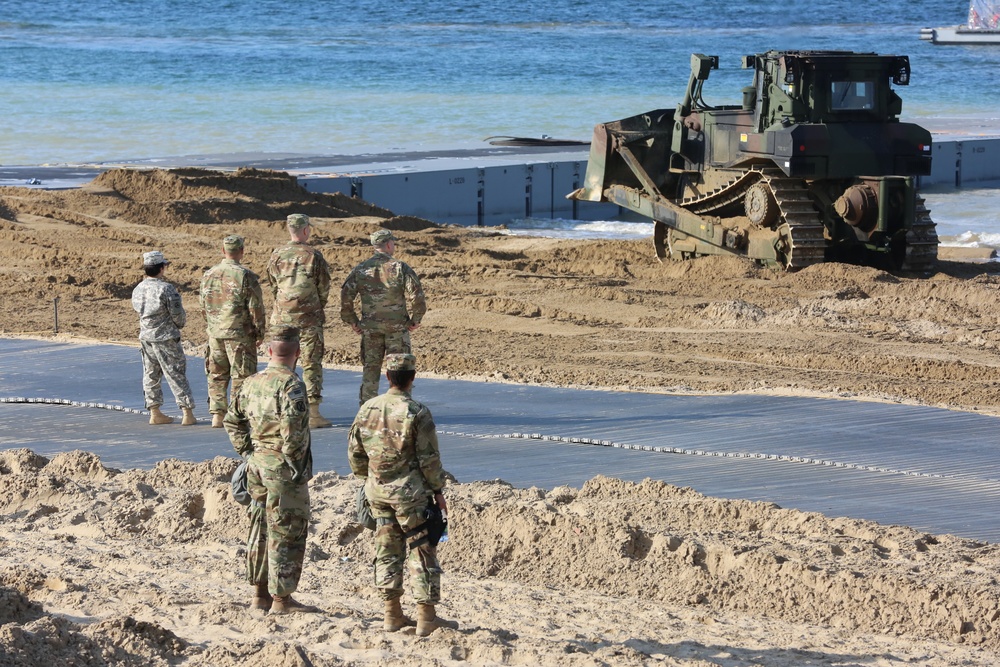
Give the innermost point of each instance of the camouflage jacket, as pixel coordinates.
(269, 417)
(393, 442)
(391, 296)
(161, 313)
(234, 307)
(300, 283)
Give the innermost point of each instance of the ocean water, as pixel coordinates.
(110, 80)
(107, 80)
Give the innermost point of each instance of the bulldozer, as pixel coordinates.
(813, 165)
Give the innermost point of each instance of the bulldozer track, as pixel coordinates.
(921, 240)
(805, 242)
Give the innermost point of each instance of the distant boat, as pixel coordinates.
(983, 26)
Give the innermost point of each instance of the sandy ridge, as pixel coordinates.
(145, 566)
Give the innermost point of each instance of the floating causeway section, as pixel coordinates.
(493, 191)
(488, 186)
(935, 470)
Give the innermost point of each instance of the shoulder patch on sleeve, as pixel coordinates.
(297, 398)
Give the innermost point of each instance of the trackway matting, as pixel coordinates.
(933, 469)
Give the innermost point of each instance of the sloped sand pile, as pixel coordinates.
(99, 566)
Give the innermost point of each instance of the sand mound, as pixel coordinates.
(657, 541)
(170, 198)
(145, 567)
(199, 196)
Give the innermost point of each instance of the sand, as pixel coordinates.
(101, 566)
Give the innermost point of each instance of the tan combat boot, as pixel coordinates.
(316, 420)
(188, 419)
(217, 418)
(157, 417)
(261, 598)
(428, 621)
(394, 617)
(289, 605)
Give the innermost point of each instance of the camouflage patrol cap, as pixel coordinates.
(284, 333)
(153, 257)
(400, 362)
(233, 242)
(382, 236)
(298, 220)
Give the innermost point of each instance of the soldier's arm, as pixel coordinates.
(238, 427)
(272, 279)
(202, 289)
(416, 303)
(348, 292)
(137, 295)
(255, 304)
(322, 279)
(175, 307)
(294, 421)
(356, 454)
(426, 444)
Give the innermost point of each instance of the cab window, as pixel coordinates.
(852, 95)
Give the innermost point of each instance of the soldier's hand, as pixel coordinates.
(441, 502)
(413, 327)
(298, 470)
(356, 328)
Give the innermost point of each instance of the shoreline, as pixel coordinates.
(951, 127)
(946, 128)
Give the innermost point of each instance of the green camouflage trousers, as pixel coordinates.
(227, 358)
(165, 357)
(390, 553)
(311, 359)
(279, 523)
(374, 346)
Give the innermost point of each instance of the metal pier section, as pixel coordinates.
(488, 185)
(932, 469)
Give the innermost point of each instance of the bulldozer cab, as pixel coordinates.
(824, 87)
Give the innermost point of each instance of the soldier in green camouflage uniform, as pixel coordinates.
(234, 314)
(268, 421)
(392, 305)
(393, 446)
(300, 283)
(161, 318)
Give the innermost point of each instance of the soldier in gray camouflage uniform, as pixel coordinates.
(392, 305)
(300, 283)
(234, 314)
(268, 421)
(393, 447)
(161, 318)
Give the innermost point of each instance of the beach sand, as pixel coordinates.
(101, 566)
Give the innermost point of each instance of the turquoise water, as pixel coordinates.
(104, 80)
(969, 217)
(129, 79)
